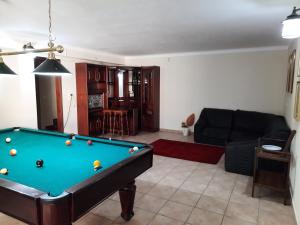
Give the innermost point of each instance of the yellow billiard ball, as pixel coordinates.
(13, 152)
(68, 142)
(4, 171)
(97, 164)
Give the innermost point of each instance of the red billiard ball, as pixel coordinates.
(131, 151)
(68, 142)
(89, 142)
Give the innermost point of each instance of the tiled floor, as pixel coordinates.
(177, 192)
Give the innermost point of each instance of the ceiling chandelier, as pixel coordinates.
(50, 67)
(291, 26)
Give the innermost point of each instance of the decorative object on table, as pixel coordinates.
(271, 168)
(95, 101)
(188, 151)
(297, 102)
(271, 147)
(291, 71)
(188, 123)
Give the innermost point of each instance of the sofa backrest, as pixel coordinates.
(250, 121)
(221, 118)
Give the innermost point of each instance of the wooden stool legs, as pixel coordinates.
(119, 121)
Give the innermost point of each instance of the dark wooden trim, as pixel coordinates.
(59, 104)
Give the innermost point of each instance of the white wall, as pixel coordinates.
(249, 80)
(18, 95)
(289, 110)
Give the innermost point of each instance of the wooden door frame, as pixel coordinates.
(58, 91)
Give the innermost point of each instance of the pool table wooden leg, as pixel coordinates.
(127, 195)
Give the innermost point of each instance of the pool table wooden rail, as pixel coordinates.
(38, 208)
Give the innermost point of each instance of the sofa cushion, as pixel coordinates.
(221, 118)
(222, 133)
(243, 135)
(250, 121)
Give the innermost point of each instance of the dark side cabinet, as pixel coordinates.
(150, 88)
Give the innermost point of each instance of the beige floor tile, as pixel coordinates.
(242, 211)
(203, 217)
(7, 220)
(109, 209)
(244, 199)
(176, 211)
(150, 203)
(217, 192)
(212, 204)
(143, 186)
(92, 219)
(185, 197)
(141, 217)
(275, 218)
(162, 191)
(163, 220)
(276, 207)
(235, 221)
(192, 186)
(172, 181)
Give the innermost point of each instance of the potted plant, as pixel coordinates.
(188, 123)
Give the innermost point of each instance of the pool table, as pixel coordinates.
(67, 186)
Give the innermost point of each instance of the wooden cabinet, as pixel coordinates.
(91, 97)
(150, 98)
(135, 89)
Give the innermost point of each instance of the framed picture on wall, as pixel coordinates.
(297, 102)
(291, 71)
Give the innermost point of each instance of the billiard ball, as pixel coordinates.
(135, 148)
(13, 152)
(39, 163)
(109, 139)
(97, 164)
(89, 142)
(4, 171)
(8, 140)
(68, 142)
(131, 150)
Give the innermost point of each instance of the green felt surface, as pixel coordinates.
(64, 166)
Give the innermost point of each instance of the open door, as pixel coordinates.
(49, 100)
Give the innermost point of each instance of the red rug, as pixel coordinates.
(188, 151)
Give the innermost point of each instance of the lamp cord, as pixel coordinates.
(68, 115)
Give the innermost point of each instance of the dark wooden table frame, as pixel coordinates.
(38, 208)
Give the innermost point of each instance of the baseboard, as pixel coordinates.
(297, 218)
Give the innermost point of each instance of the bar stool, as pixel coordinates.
(118, 120)
(107, 119)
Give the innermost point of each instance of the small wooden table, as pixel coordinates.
(277, 181)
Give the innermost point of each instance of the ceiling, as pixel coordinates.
(140, 27)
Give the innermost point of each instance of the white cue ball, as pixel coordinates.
(4, 171)
(135, 148)
(8, 140)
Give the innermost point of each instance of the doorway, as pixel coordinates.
(49, 100)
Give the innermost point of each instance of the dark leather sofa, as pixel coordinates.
(238, 131)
